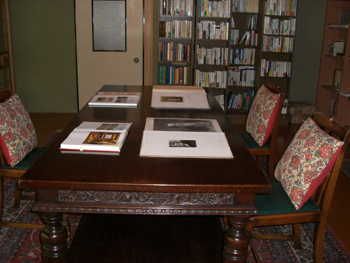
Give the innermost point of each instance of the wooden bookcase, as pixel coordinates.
(175, 50)
(6, 67)
(277, 46)
(229, 45)
(330, 98)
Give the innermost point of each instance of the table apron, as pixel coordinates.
(144, 203)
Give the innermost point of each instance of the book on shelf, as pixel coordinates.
(184, 138)
(347, 95)
(337, 48)
(333, 109)
(344, 20)
(96, 137)
(179, 97)
(337, 78)
(337, 26)
(115, 99)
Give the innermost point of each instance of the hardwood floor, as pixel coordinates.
(339, 219)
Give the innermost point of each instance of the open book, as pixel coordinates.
(96, 137)
(115, 99)
(184, 138)
(179, 97)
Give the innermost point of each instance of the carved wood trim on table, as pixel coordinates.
(135, 198)
(143, 203)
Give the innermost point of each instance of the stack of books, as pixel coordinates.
(115, 99)
(96, 137)
(337, 48)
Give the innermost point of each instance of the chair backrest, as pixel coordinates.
(276, 89)
(324, 194)
(4, 94)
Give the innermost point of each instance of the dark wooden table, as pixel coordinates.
(131, 185)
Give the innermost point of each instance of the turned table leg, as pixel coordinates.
(54, 239)
(236, 241)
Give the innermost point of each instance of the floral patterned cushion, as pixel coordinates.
(262, 115)
(17, 133)
(307, 161)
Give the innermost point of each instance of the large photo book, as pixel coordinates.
(115, 99)
(184, 138)
(96, 137)
(179, 97)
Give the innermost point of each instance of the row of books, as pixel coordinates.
(170, 51)
(174, 75)
(242, 56)
(344, 19)
(275, 26)
(337, 48)
(240, 100)
(212, 56)
(278, 44)
(248, 6)
(211, 30)
(249, 38)
(176, 7)
(175, 29)
(214, 8)
(241, 76)
(215, 79)
(281, 7)
(275, 68)
(252, 22)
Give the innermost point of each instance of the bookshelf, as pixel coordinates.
(277, 46)
(333, 90)
(6, 67)
(212, 46)
(175, 40)
(231, 52)
(245, 54)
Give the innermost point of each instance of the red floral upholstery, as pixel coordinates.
(17, 133)
(262, 115)
(307, 161)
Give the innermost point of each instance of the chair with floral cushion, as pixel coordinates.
(19, 149)
(262, 123)
(305, 179)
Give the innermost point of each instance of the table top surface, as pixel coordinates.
(130, 172)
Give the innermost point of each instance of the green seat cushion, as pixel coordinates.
(28, 160)
(250, 142)
(278, 202)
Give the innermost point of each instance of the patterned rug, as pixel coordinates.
(23, 245)
(284, 251)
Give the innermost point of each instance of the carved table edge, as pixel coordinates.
(219, 211)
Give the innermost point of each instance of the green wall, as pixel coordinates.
(307, 51)
(43, 42)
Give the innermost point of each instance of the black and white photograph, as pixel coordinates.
(164, 124)
(183, 143)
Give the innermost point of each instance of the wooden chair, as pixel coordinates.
(277, 209)
(268, 149)
(17, 172)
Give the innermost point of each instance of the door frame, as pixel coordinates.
(148, 42)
